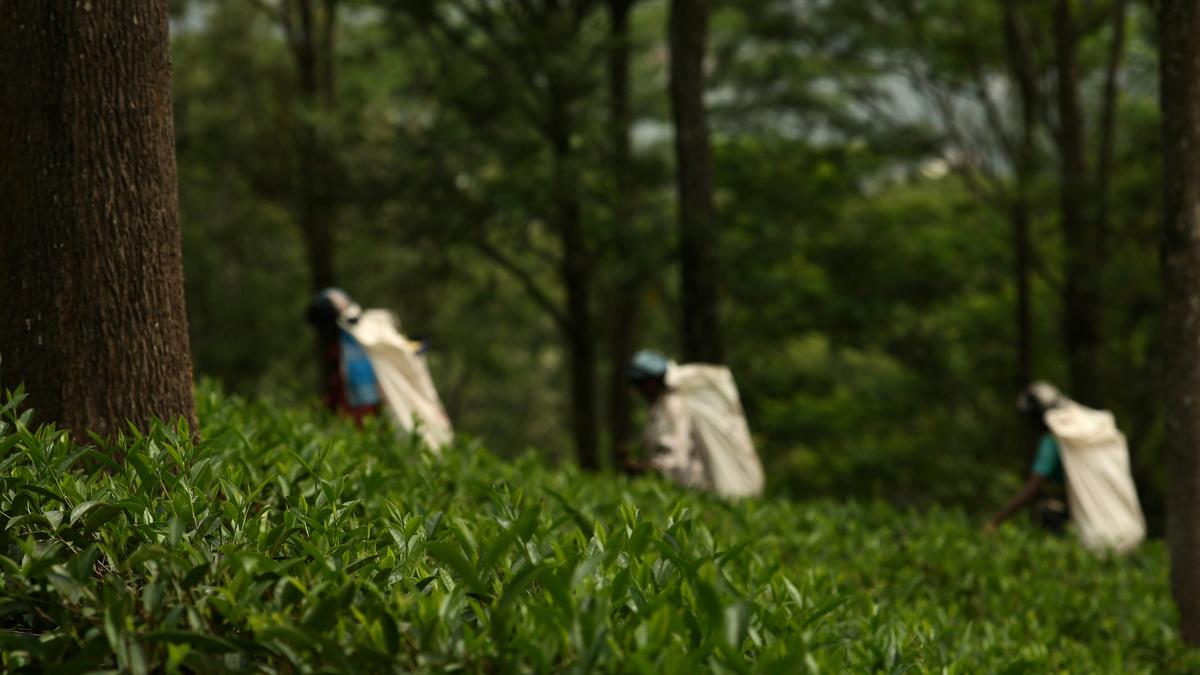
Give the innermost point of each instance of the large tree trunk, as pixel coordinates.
(1179, 33)
(1022, 70)
(698, 236)
(1081, 287)
(626, 305)
(92, 315)
(577, 281)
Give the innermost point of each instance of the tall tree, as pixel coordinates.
(624, 315)
(969, 69)
(92, 315)
(310, 29)
(311, 32)
(532, 52)
(1083, 182)
(1080, 292)
(1084, 198)
(698, 233)
(576, 272)
(1023, 71)
(1179, 35)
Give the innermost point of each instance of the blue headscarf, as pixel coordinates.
(647, 365)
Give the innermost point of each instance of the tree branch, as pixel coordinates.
(539, 296)
(980, 180)
(271, 12)
(424, 14)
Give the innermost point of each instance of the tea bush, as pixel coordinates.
(283, 542)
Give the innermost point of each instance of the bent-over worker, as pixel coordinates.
(696, 433)
(1083, 451)
(372, 364)
(349, 386)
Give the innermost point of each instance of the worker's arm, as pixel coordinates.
(626, 462)
(1024, 497)
(633, 467)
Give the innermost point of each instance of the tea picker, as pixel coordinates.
(370, 364)
(696, 432)
(1084, 449)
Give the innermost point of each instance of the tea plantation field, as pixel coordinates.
(281, 543)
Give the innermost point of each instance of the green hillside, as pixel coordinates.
(283, 542)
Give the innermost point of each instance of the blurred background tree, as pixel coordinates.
(921, 204)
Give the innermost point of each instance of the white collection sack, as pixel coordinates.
(711, 397)
(1095, 456)
(403, 375)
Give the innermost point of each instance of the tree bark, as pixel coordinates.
(1080, 290)
(1179, 33)
(577, 281)
(626, 305)
(698, 235)
(92, 315)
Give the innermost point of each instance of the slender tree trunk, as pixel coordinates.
(1108, 126)
(1080, 290)
(312, 34)
(1179, 33)
(92, 315)
(577, 281)
(1016, 43)
(623, 345)
(698, 235)
(1024, 308)
(329, 48)
(626, 302)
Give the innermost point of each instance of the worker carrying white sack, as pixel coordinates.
(369, 362)
(696, 433)
(1084, 449)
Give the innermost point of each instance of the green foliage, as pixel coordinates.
(868, 295)
(883, 380)
(282, 542)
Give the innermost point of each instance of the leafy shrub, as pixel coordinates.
(286, 542)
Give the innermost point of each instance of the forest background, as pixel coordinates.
(920, 205)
